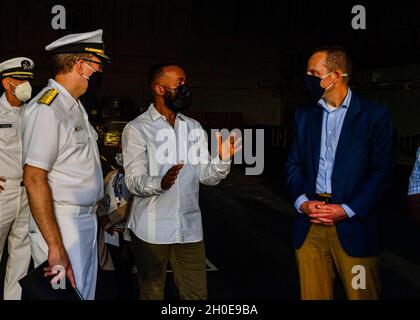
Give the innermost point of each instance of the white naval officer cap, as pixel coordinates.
(86, 42)
(17, 68)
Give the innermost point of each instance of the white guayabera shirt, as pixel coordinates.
(150, 148)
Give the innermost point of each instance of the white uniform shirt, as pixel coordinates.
(59, 139)
(10, 140)
(172, 216)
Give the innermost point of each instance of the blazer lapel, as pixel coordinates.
(316, 127)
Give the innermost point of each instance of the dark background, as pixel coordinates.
(245, 61)
(240, 56)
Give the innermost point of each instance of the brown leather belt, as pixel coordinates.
(326, 197)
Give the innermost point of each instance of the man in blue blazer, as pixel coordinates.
(338, 170)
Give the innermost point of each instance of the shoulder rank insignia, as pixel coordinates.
(48, 97)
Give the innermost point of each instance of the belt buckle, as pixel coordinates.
(326, 197)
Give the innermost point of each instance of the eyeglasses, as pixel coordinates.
(100, 65)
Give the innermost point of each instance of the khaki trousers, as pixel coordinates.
(322, 256)
(188, 263)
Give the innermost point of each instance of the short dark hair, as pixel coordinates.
(157, 70)
(337, 58)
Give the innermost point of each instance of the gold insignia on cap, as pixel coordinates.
(18, 73)
(95, 50)
(98, 52)
(48, 97)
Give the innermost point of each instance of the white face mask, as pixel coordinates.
(119, 159)
(23, 91)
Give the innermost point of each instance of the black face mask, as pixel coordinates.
(314, 86)
(180, 101)
(94, 80)
(95, 83)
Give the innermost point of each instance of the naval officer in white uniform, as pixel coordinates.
(14, 209)
(62, 169)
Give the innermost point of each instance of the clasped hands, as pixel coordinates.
(322, 213)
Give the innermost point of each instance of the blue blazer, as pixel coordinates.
(361, 174)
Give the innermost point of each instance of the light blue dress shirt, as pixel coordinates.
(414, 187)
(332, 123)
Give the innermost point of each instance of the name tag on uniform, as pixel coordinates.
(78, 128)
(5, 125)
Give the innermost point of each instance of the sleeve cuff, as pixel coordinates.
(157, 181)
(221, 165)
(350, 213)
(303, 198)
(37, 164)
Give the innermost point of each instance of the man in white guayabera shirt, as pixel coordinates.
(165, 159)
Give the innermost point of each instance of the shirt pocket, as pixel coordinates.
(8, 135)
(80, 136)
